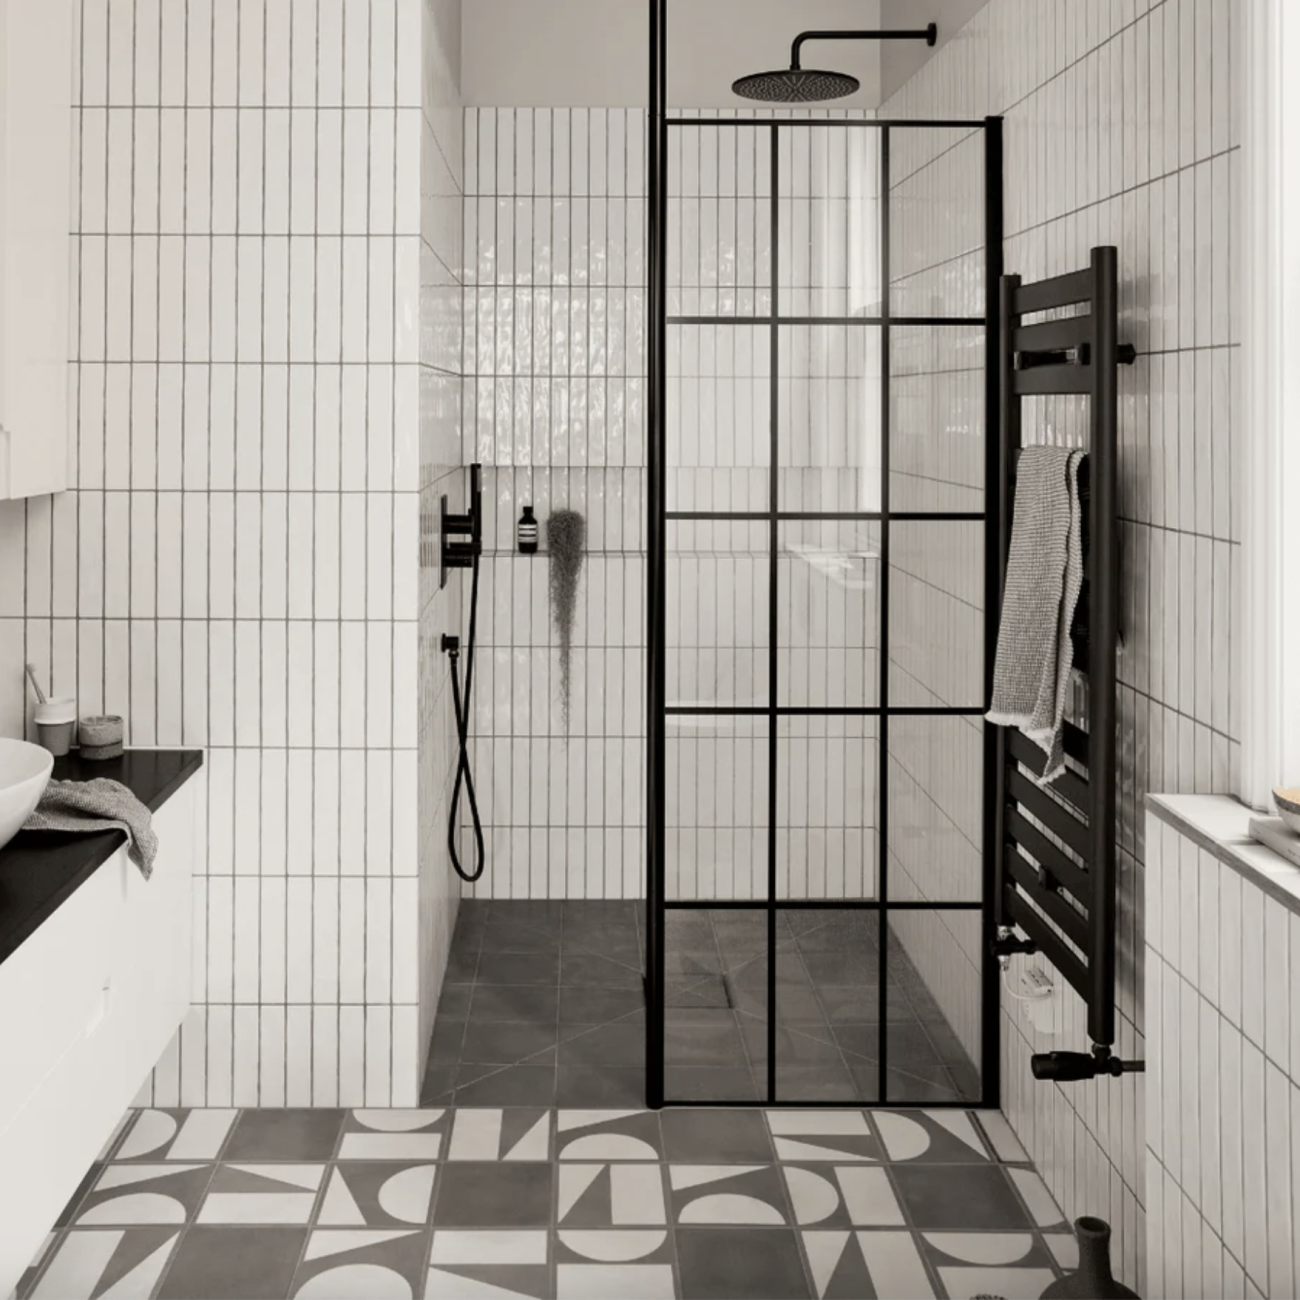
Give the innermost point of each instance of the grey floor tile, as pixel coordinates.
(520, 936)
(462, 964)
(842, 969)
(518, 968)
(860, 1005)
(509, 1085)
(600, 1086)
(446, 1041)
(438, 1085)
(915, 1090)
(592, 970)
(716, 1136)
(696, 1083)
(959, 1197)
(481, 1195)
(740, 1264)
(535, 1003)
(454, 1000)
(795, 1045)
(290, 1134)
(597, 1006)
(717, 1046)
(506, 1043)
(820, 1083)
(532, 911)
(234, 1263)
(608, 1044)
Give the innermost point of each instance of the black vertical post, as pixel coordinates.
(1103, 636)
(995, 542)
(656, 554)
(882, 639)
(774, 551)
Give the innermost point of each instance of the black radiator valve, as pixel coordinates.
(1071, 1067)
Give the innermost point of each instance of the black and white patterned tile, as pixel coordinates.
(489, 1263)
(351, 1263)
(491, 1202)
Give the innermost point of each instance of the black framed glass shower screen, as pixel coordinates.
(820, 486)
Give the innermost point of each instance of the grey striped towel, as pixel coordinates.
(98, 805)
(1044, 573)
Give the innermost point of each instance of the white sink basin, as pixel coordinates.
(24, 773)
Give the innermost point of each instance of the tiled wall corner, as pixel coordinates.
(236, 564)
(1121, 127)
(1223, 1078)
(441, 351)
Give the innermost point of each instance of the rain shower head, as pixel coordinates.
(797, 85)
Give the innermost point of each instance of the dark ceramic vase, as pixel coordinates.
(1093, 1280)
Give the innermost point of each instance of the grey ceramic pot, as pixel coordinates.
(1093, 1280)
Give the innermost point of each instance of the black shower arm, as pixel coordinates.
(929, 35)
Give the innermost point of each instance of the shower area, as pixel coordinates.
(748, 864)
(819, 470)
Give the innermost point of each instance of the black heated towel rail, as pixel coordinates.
(1056, 874)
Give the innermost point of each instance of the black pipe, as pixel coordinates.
(656, 548)
(1103, 574)
(994, 478)
(929, 35)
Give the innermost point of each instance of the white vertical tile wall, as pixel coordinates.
(236, 566)
(555, 411)
(554, 212)
(1121, 127)
(1223, 1077)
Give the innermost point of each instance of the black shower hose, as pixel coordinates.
(461, 710)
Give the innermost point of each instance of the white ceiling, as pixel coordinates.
(595, 52)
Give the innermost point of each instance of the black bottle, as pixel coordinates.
(527, 532)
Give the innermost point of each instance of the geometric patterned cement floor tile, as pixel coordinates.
(580, 1204)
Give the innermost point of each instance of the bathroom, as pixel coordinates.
(760, 902)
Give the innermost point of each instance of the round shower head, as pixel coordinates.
(795, 86)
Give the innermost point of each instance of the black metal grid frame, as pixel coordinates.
(658, 905)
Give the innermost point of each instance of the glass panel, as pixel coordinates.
(828, 418)
(936, 221)
(719, 221)
(936, 419)
(717, 807)
(828, 214)
(936, 614)
(935, 959)
(828, 615)
(828, 1005)
(826, 798)
(716, 633)
(719, 417)
(715, 1003)
(936, 809)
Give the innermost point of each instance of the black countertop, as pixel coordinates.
(39, 870)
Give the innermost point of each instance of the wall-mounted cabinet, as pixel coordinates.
(36, 77)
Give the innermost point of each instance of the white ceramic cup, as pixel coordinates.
(56, 724)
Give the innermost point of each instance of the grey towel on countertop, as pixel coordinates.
(99, 805)
(1044, 574)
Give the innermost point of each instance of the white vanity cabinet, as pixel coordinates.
(88, 1004)
(36, 164)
